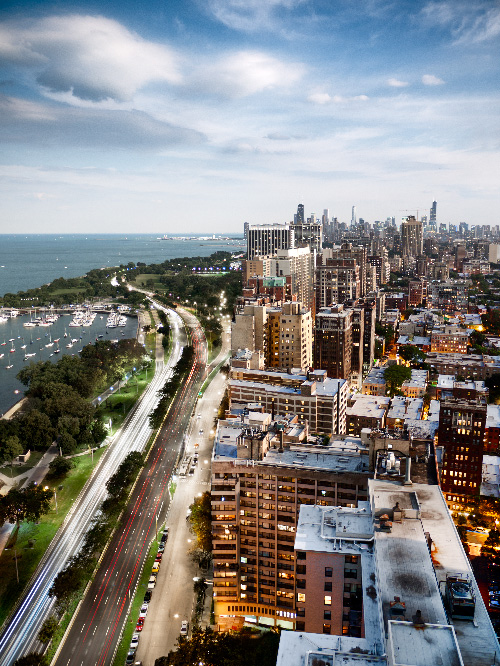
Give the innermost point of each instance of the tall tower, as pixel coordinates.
(433, 215)
(411, 237)
(300, 213)
(353, 216)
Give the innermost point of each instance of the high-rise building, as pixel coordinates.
(333, 341)
(264, 240)
(290, 337)
(347, 251)
(255, 510)
(461, 433)
(300, 214)
(412, 237)
(353, 216)
(433, 215)
(338, 281)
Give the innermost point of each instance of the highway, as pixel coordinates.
(95, 633)
(20, 635)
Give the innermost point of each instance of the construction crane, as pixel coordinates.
(411, 210)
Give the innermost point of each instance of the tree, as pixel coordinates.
(201, 521)
(12, 448)
(48, 629)
(60, 466)
(27, 504)
(493, 384)
(36, 430)
(31, 659)
(395, 375)
(411, 354)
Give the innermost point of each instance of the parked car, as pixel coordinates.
(161, 548)
(158, 556)
(156, 568)
(148, 595)
(130, 658)
(144, 610)
(184, 628)
(166, 530)
(191, 471)
(140, 624)
(134, 642)
(151, 582)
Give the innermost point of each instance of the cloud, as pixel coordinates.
(396, 83)
(323, 98)
(245, 73)
(468, 22)
(277, 136)
(92, 57)
(249, 15)
(39, 125)
(431, 80)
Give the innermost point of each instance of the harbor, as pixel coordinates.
(48, 335)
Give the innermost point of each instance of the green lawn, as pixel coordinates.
(31, 541)
(117, 406)
(136, 605)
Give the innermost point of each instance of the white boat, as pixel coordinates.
(29, 324)
(8, 367)
(3, 319)
(14, 313)
(23, 346)
(2, 355)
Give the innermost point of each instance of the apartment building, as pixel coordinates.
(337, 281)
(366, 411)
(318, 399)
(420, 603)
(264, 240)
(333, 341)
(449, 339)
(289, 337)
(255, 510)
(461, 433)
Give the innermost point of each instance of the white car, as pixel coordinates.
(134, 642)
(144, 610)
(151, 582)
(184, 628)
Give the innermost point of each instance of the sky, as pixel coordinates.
(178, 116)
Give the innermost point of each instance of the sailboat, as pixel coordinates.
(56, 351)
(65, 333)
(12, 349)
(50, 344)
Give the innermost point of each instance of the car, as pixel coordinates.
(191, 471)
(158, 556)
(184, 628)
(134, 642)
(144, 610)
(130, 658)
(156, 568)
(164, 538)
(198, 416)
(201, 431)
(148, 595)
(140, 624)
(161, 548)
(166, 530)
(151, 582)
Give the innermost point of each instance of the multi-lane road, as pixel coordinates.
(96, 630)
(20, 635)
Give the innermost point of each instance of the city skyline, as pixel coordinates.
(202, 116)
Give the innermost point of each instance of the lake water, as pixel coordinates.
(31, 261)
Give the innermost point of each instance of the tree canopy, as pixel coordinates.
(201, 521)
(25, 504)
(395, 375)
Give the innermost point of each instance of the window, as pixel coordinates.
(327, 629)
(301, 597)
(328, 572)
(301, 555)
(300, 626)
(328, 600)
(328, 587)
(327, 615)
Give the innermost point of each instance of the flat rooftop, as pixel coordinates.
(317, 457)
(416, 580)
(369, 406)
(329, 387)
(305, 649)
(417, 646)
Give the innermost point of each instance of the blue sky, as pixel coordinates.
(198, 115)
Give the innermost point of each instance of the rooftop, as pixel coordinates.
(493, 416)
(305, 649)
(369, 406)
(318, 457)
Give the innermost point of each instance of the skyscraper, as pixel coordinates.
(412, 237)
(433, 215)
(353, 216)
(300, 213)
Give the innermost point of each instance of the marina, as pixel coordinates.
(48, 339)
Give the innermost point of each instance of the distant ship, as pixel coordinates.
(165, 237)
